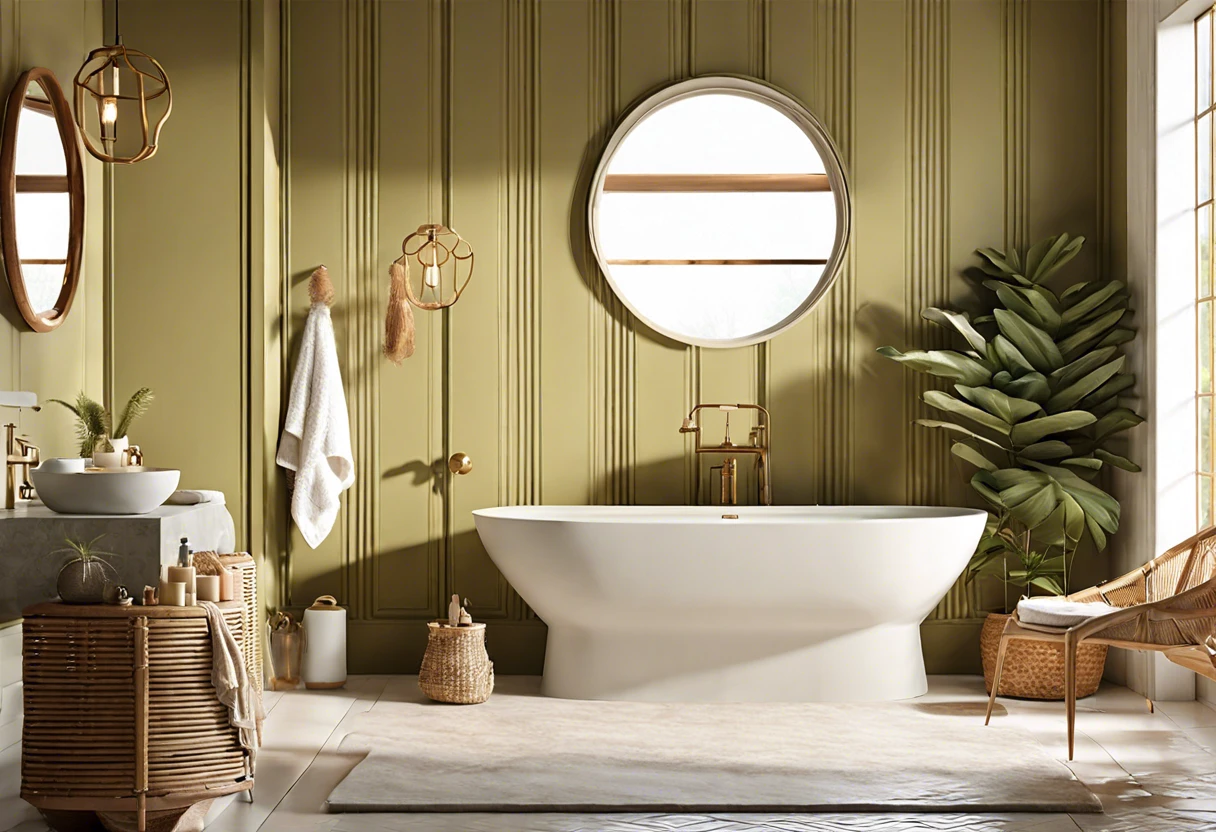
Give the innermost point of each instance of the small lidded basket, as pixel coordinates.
(456, 667)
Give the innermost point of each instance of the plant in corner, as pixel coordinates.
(85, 578)
(1035, 406)
(94, 427)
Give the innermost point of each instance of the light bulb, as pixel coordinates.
(109, 110)
(430, 275)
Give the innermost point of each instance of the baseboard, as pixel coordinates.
(952, 646)
(518, 647)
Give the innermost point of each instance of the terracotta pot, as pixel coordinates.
(1035, 669)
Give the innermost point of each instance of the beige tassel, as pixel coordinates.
(320, 287)
(399, 322)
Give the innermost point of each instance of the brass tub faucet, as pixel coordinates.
(758, 440)
(20, 453)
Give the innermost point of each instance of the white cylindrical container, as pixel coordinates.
(324, 644)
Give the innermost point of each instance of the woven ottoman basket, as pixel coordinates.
(456, 667)
(121, 718)
(1035, 669)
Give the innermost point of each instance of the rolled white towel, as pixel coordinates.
(186, 497)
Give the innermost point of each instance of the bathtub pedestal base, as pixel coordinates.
(781, 663)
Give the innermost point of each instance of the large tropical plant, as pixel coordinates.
(1034, 405)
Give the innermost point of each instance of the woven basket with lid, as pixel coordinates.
(456, 667)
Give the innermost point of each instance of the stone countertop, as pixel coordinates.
(139, 543)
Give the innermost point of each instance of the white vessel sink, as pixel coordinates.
(105, 490)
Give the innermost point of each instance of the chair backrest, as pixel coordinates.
(1186, 566)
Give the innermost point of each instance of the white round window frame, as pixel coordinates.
(793, 110)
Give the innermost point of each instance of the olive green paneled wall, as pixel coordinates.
(55, 34)
(962, 122)
(196, 302)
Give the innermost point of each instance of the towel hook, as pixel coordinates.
(320, 287)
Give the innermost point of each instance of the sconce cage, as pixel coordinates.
(439, 254)
(100, 99)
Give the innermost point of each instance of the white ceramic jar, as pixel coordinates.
(324, 665)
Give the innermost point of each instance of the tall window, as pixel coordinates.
(1204, 411)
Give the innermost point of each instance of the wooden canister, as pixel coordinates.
(324, 663)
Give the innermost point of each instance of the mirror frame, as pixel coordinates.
(47, 320)
(792, 109)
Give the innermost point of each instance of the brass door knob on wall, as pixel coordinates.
(459, 463)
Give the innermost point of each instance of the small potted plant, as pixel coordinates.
(1035, 401)
(102, 440)
(85, 578)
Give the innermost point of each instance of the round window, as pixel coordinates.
(719, 212)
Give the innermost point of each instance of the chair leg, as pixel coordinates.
(996, 676)
(1070, 688)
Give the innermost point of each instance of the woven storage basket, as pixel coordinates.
(1035, 669)
(456, 667)
(247, 575)
(120, 712)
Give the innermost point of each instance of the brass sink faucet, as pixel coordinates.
(758, 440)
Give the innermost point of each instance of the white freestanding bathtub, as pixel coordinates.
(683, 604)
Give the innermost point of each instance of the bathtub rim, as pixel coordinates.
(766, 515)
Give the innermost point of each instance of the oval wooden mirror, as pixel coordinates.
(41, 200)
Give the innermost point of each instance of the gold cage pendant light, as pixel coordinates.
(428, 275)
(121, 85)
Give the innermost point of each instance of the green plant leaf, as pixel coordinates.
(1008, 409)
(1027, 303)
(1048, 584)
(956, 428)
(944, 401)
(1117, 336)
(1037, 252)
(1086, 363)
(1031, 504)
(1088, 462)
(1111, 389)
(1031, 387)
(986, 491)
(1036, 345)
(1116, 460)
(1011, 357)
(943, 363)
(1051, 449)
(1067, 397)
(1056, 260)
(1028, 433)
(1091, 302)
(959, 322)
(1117, 420)
(998, 261)
(1001, 379)
(1072, 346)
(136, 407)
(965, 452)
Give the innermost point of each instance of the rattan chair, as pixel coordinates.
(1168, 606)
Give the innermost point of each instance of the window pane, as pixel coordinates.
(1203, 229)
(1205, 434)
(1203, 171)
(1203, 62)
(1205, 347)
(1205, 502)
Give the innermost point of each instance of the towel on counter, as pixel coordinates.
(187, 497)
(232, 684)
(316, 435)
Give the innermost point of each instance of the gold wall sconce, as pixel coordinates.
(118, 84)
(428, 275)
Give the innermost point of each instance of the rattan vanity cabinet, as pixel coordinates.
(120, 712)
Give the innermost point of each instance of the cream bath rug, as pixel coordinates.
(527, 753)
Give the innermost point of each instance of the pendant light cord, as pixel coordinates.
(117, 36)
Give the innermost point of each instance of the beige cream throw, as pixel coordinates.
(231, 681)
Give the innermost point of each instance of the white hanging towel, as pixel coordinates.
(316, 436)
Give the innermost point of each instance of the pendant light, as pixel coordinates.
(444, 261)
(118, 87)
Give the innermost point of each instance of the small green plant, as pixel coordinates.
(93, 422)
(84, 551)
(1036, 401)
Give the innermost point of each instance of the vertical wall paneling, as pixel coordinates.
(494, 120)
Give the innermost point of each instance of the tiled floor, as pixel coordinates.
(1152, 771)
